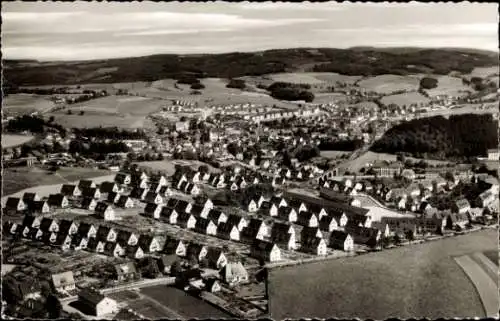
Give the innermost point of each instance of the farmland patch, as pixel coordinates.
(22, 104)
(386, 84)
(9, 140)
(484, 72)
(120, 105)
(405, 99)
(448, 85)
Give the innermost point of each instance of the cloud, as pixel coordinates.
(140, 23)
(104, 30)
(33, 16)
(90, 51)
(171, 32)
(431, 30)
(264, 6)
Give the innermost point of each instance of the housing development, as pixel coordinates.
(167, 187)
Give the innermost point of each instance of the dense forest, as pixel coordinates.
(459, 137)
(373, 62)
(186, 68)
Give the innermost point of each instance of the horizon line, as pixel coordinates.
(367, 47)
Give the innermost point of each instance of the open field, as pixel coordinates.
(119, 105)
(413, 281)
(385, 84)
(312, 78)
(405, 99)
(484, 72)
(19, 180)
(299, 78)
(9, 140)
(96, 120)
(215, 92)
(182, 303)
(21, 104)
(332, 77)
(325, 98)
(365, 105)
(448, 85)
(6, 268)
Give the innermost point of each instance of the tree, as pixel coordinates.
(233, 148)
(197, 86)
(175, 268)
(132, 157)
(69, 112)
(193, 260)
(397, 240)
(385, 242)
(10, 290)
(51, 119)
(82, 112)
(449, 176)
(409, 235)
(193, 123)
(53, 307)
(236, 83)
(428, 83)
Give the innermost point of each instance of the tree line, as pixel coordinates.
(33, 124)
(109, 132)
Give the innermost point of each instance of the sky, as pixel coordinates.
(100, 30)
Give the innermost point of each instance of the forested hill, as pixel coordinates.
(356, 61)
(459, 137)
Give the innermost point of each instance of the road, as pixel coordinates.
(485, 286)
